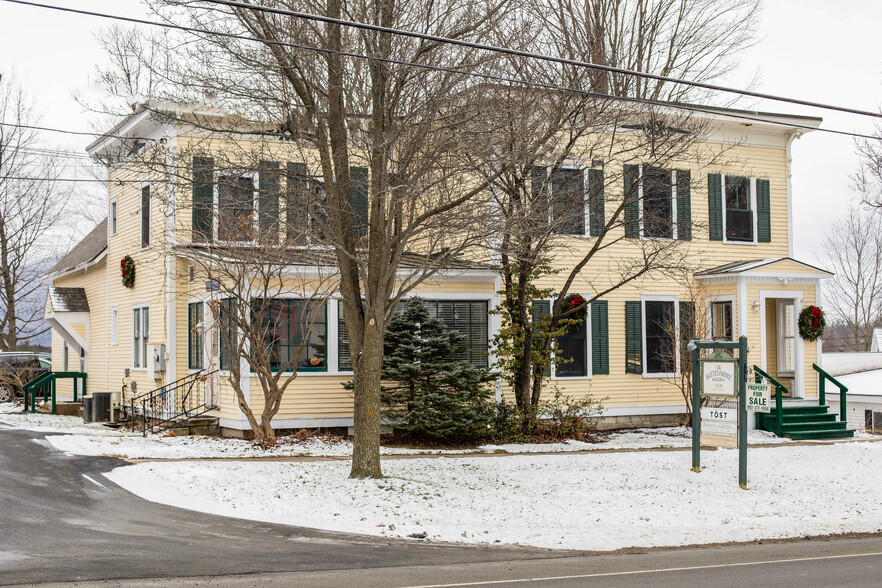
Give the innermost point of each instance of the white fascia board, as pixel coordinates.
(80, 268)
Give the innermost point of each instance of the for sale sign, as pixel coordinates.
(759, 397)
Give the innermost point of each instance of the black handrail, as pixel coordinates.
(162, 408)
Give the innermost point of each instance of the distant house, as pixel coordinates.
(876, 341)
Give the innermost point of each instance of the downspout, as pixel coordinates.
(788, 155)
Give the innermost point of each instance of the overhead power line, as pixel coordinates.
(31, 179)
(539, 56)
(742, 115)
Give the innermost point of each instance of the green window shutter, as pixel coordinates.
(296, 204)
(268, 202)
(358, 199)
(596, 212)
(599, 337)
(632, 202)
(633, 337)
(203, 199)
(684, 205)
(715, 206)
(539, 192)
(687, 321)
(541, 308)
(763, 216)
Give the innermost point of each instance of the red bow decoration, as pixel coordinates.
(122, 264)
(816, 312)
(577, 300)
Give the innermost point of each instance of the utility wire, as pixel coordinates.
(756, 116)
(539, 56)
(26, 178)
(67, 132)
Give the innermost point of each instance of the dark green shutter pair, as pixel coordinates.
(634, 332)
(716, 209)
(599, 332)
(596, 208)
(632, 203)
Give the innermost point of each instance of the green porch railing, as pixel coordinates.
(780, 390)
(822, 392)
(45, 383)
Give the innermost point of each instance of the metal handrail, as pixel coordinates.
(47, 381)
(822, 396)
(780, 389)
(162, 407)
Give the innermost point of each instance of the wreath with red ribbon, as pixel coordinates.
(811, 323)
(574, 301)
(127, 268)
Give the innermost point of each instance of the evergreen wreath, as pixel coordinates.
(572, 301)
(811, 323)
(127, 268)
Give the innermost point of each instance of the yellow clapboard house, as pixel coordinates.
(159, 332)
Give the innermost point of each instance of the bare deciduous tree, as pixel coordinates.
(853, 247)
(31, 205)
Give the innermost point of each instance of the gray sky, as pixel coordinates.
(813, 49)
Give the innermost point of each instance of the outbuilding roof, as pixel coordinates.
(68, 300)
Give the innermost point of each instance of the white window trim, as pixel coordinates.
(779, 317)
(674, 234)
(134, 307)
(215, 204)
(141, 216)
(589, 367)
(644, 298)
(753, 209)
(549, 192)
(114, 216)
(114, 325)
(709, 330)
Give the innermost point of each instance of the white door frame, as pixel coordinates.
(798, 390)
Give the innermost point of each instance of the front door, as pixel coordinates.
(783, 352)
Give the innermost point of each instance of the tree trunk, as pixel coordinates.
(367, 371)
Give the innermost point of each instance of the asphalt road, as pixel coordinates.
(61, 521)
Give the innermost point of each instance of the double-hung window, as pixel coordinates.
(739, 209)
(140, 335)
(568, 202)
(294, 330)
(235, 207)
(660, 336)
(657, 203)
(112, 216)
(195, 339)
(657, 211)
(145, 216)
(721, 320)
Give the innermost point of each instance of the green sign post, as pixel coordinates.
(715, 373)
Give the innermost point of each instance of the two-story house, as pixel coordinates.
(133, 340)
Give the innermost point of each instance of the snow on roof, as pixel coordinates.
(862, 383)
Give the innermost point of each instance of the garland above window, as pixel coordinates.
(127, 268)
(811, 323)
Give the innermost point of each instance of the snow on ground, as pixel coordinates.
(594, 501)
(11, 414)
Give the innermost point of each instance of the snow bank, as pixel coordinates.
(595, 501)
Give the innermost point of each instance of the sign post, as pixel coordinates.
(721, 375)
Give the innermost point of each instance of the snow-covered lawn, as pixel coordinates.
(11, 414)
(596, 501)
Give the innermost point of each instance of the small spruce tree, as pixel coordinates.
(432, 394)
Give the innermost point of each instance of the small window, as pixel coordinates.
(194, 335)
(660, 321)
(65, 362)
(786, 337)
(573, 349)
(235, 206)
(112, 217)
(114, 325)
(140, 336)
(721, 321)
(229, 333)
(568, 202)
(145, 216)
(658, 206)
(739, 213)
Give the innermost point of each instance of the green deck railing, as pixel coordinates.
(45, 384)
(780, 390)
(822, 392)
